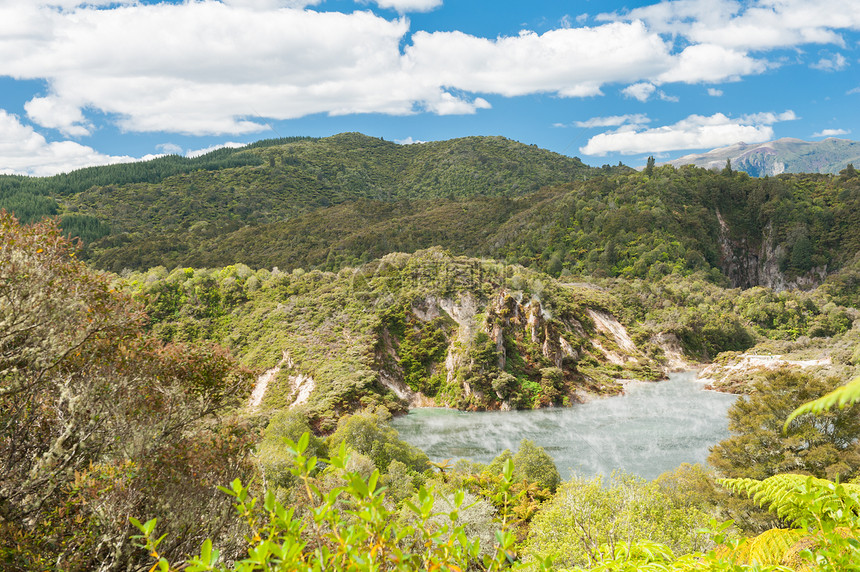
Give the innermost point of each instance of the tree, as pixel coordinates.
(849, 172)
(823, 446)
(533, 464)
(367, 432)
(587, 514)
(649, 166)
(96, 418)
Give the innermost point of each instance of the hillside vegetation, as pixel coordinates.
(346, 200)
(275, 305)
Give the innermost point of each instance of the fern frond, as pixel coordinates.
(779, 493)
(800, 499)
(771, 546)
(840, 397)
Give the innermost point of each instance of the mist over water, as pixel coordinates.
(653, 428)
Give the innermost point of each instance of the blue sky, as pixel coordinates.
(107, 81)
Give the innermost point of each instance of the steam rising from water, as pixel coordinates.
(653, 428)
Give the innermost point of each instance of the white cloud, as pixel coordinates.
(170, 148)
(614, 121)
(228, 144)
(768, 117)
(403, 6)
(853, 91)
(714, 92)
(572, 62)
(55, 113)
(833, 63)
(408, 141)
(711, 63)
(666, 97)
(25, 152)
(225, 67)
(641, 91)
(207, 67)
(755, 25)
(693, 132)
(831, 133)
(271, 4)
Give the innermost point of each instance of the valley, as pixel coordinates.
(345, 288)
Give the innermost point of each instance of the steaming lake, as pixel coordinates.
(653, 428)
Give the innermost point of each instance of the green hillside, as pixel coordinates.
(348, 199)
(315, 287)
(790, 230)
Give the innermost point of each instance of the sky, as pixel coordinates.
(104, 81)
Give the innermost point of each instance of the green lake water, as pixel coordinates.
(653, 428)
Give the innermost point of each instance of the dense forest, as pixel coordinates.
(360, 278)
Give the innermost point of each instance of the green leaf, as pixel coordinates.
(840, 397)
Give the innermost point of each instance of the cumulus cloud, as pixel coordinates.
(56, 113)
(225, 67)
(409, 141)
(614, 120)
(168, 66)
(711, 63)
(572, 62)
(833, 63)
(714, 92)
(831, 133)
(210, 67)
(271, 4)
(641, 91)
(693, 132)
(25, 152)
(757, 25)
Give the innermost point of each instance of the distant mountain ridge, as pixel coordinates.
(786, 155)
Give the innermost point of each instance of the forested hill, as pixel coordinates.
(344, 200)
(298, 173)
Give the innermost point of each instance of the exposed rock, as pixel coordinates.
(672, 351)
(733, 375)
(747, 266)
(609, 325)
(263, 381)
(786, 155)
(303, 385)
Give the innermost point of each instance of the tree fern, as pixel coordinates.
(802, 500)
(826, 516)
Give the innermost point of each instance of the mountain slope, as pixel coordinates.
(781, 232)
(784, 155)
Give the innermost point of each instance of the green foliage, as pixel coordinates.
(826, 516)
(272, 451)
(349, 528)
(87, 228)
(841, 397)
(533, 464)
(368, 432)
(98, 420)
(822, 446)
(586, 514)
(344, 200)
